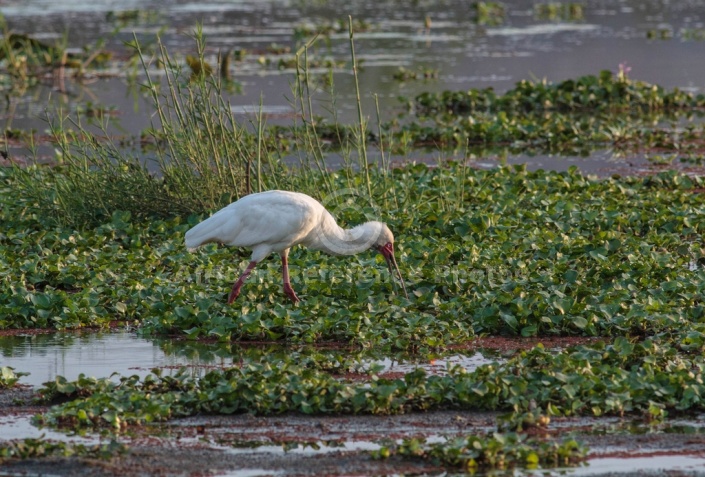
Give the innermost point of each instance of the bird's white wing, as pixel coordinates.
(274, 219)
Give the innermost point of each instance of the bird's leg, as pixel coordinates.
(238, 284)
(285, 274)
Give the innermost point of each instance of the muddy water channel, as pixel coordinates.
(248, 445)
(243, 445)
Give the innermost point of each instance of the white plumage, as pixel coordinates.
(275, 221)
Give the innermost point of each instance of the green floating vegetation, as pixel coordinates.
(8, 377)
(124, 18)
(574, 116)
(558, 11)
(492, 452)
(661, 34)
(692, 34)
(503, 251)
(489, 13)
(42, 448)
(420, 73)
(668, 33)
(605, 92)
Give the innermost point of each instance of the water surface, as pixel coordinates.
(94, 354)
(46, 356)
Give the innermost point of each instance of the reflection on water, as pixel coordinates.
(94, 354)
(469, 362)
(21, 427)
(46, 356)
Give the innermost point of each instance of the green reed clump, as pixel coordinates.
(202, 157)
(198, 156)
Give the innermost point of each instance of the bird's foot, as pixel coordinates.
(290, 293)
(239, 282)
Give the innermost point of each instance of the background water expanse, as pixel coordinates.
(661, 42)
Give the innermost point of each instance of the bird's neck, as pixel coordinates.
(335, 240)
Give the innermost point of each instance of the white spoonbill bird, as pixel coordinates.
(276, 220)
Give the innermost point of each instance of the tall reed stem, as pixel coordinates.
(362, 145)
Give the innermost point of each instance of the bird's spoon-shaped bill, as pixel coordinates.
(387, 252)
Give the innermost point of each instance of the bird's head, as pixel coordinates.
(385, 238)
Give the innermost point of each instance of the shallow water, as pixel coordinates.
(319, 448)
(635, 465)
(596, 465)
(94, 354)
(46, 356)
(251, 473)
(21, 427)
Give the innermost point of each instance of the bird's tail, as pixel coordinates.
(207, 231)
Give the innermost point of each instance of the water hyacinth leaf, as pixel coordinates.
(8, 377)
(509, 319)
(63, 386)
(571, 276)
(41, 300)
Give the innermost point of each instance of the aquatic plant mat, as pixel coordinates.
(504, 252)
